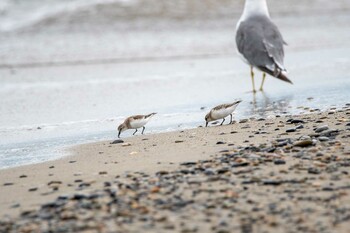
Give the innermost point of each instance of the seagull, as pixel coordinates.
(259, 42)
(135, 122)
(220, 112)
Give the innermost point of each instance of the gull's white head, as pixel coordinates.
(255, 7)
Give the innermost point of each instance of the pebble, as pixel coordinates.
(220, 143)
(117, 141)
(8, 184)
(125, 144)
(313, 170)
(321, 128)
(296, 121)
(290, 130)
(299, 127)
(279, 161)
(323, 139)
(272, 182)
(54, 182)
(179, 141)
(304, 143)
(243, 121)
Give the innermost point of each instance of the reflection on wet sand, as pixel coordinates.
(263, 105)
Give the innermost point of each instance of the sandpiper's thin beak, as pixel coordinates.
(119, 133)
(206, 124)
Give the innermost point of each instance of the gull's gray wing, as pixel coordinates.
(261, 44)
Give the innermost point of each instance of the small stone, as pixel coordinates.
(305, 137)
(179, 141)
(304, 143)
(295, 121)
(188, 164)
(32, 189)
(272, 182)
(102, 173)
(72, 161)
(155, 189)
(313, 170)
(242, 164)
(279, 162)
(117, 141)
(22, 176)
(133, 153)
(330, 133)
(125, 144)
(8, 184)
(290, 130)
(54, 182)
(162, 173)
(243, 121)
(16, 205)
(209, 172)
(321, 128)
(323, 139)
(220, 143)
(299, 127)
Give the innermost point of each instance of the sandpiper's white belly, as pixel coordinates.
(222, 113)
(135, 124)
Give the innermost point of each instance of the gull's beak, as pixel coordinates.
(119, 133)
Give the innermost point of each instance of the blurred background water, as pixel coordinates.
(72, 70)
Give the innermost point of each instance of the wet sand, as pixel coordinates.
(282, 174)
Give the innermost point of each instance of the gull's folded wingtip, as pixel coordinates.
(282, 76)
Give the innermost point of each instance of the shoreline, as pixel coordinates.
(92, 166)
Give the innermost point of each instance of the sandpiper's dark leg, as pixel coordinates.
(262, 83)
(252, 76)
(231, 118)
(134, 132)
(143, 129)
(206, 124)
(119, 134)
(223, 120)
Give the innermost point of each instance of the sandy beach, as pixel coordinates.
(280, 174)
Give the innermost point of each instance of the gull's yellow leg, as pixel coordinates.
(252, 76)
(262, 83)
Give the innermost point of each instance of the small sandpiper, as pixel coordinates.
(220, 112)
(135, 122)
